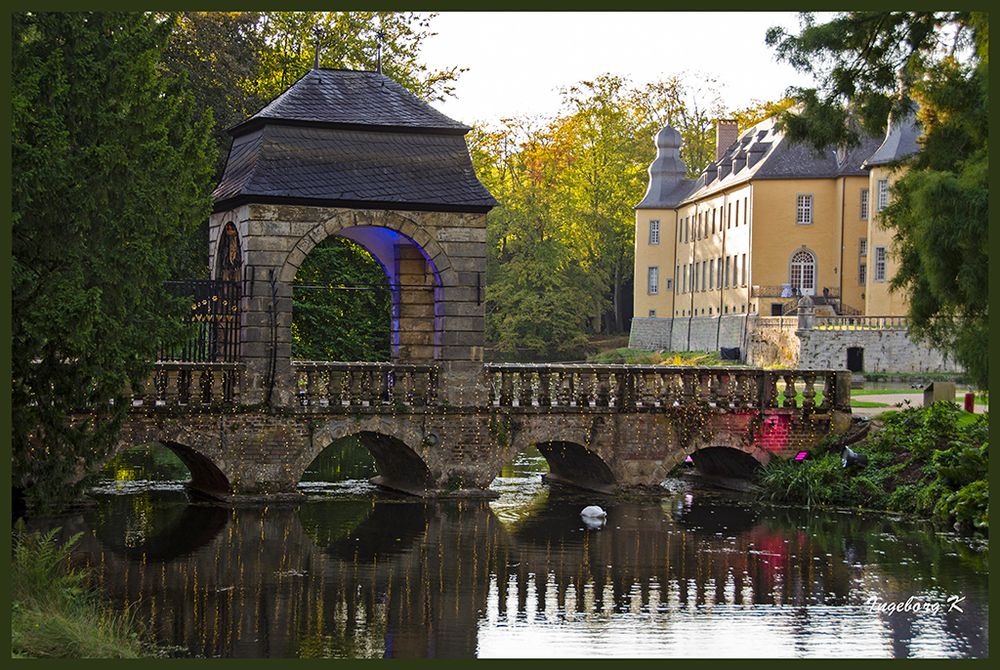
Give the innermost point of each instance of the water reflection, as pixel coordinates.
(366, 575)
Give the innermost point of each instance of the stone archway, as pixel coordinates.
(415, 282)
(399, 465)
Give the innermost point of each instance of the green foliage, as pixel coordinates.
(342, 305)
(871, 63)
(239, 61)
(926, 461)
(561, 242)
(111, 183)
(53, 612)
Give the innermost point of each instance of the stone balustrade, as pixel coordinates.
(647, 387)
(861, 322)
(187, 384)
(334, 386)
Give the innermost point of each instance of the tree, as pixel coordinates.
(111, 179)
(238, 61)
(871, 64)
(342, 305)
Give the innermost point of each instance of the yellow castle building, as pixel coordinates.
(768, 222)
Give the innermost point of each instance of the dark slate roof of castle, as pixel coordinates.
(351, 139)
(900, 141)
(763, 152)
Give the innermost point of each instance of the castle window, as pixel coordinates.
(864, 204)
(654, 231)
(711, 274)
(652, 313)
(728, 261)
(883, 195)
(880, 263)
(653, 285)
(802, 272)
(804, 209)
(863, 246)
(743, 273)
(862, 273)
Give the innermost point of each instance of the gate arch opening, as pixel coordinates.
(396, 466)
(574, 465)
(410, 279)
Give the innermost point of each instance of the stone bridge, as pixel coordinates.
(448, 429)
(354, 155)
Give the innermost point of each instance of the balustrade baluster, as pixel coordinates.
(544, 392)
(688, 392)
(809, 391)
(506, 388)
(565, 388)
(790, 391)
(524, 396)
(334, 387)
(722, 390)
(603, 388)
(583, 390)
(829, 391)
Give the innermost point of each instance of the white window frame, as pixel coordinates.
(654, 231)
(803, 209)
(653, 280)
(880, 264)
(803, 271)
(882, 194)
(864, 204)
(863, 246)
(862, 274)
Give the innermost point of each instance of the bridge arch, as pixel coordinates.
(722, 453)
(398, 463)
(198, 452)
(570, 458)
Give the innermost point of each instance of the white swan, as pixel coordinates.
(593, 512)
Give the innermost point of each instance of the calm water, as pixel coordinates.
(358, 573)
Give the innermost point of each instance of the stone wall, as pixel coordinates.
(772, 342)
(887, 350)
(698, 333)
(775, 341)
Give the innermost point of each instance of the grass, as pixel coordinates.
(53, 612)
(930, 462)
(819, 400)
(642, 357)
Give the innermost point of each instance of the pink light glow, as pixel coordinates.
(802, 455)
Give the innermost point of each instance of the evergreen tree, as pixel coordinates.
(111, 180)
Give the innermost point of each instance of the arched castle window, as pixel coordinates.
(802, 272)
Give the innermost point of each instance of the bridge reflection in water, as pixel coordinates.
(374, 576)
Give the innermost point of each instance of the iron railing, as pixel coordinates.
(211, 327)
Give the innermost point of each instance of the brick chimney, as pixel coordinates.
(725, 134)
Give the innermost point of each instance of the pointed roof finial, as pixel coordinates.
(381, 37)
(318, 34)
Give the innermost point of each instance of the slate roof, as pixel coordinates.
(351, 139)
(900, 141)
(351, 98)
(667, 184)
(352, 168)
(773, 156)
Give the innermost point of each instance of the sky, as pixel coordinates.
(518, 61)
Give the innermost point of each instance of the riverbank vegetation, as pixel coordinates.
(931, 462)
(55, 614)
